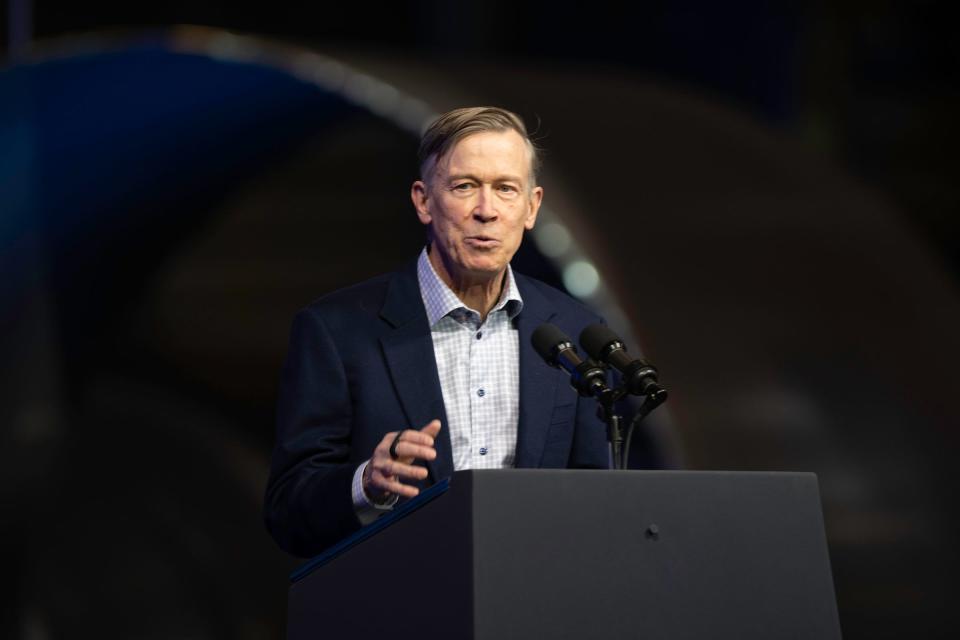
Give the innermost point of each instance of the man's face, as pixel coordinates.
(478, 200)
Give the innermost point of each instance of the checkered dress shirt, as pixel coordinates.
(479, 367)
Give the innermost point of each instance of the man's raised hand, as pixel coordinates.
(385, 474)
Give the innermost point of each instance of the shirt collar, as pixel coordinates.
(440, 300)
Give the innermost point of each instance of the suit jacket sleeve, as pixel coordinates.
(308, 502)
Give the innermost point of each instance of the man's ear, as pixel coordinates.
(419, 194)
(536, 197)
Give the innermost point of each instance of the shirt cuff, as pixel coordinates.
(366, 509)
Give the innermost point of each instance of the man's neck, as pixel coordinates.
(476, 292)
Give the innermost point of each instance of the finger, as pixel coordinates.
(416, 437)
(390, 468)
(390, 485)
(388, 447)
(431, 429)
(407, 451)
(384, 446)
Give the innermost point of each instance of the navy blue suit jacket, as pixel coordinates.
(361, 364)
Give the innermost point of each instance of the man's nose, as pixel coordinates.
(486, 208)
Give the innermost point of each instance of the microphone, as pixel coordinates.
(639, 378)
(553, 345)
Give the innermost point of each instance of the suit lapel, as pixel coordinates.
(408, 352)
(538, 380)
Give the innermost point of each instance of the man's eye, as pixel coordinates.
(508, 188)
(463, 186)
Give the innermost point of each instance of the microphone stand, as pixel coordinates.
(653, 400)
(606, 411)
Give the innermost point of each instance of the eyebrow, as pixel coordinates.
(470, 176)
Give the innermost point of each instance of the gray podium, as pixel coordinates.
(541, 554)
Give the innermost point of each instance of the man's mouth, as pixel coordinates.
(481, 241)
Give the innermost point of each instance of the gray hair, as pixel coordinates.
(453, 126)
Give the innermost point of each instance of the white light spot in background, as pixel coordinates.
(581, 278)
(553, 240)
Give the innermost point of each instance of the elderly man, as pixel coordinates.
(396, 382)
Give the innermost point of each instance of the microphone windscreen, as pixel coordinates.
(545, 339)
(595, 337)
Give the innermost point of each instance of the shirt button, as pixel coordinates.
(481, 392)
(479, 334)
(483, 451)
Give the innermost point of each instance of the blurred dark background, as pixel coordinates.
(768, 192)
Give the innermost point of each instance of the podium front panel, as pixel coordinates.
(586, 554)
